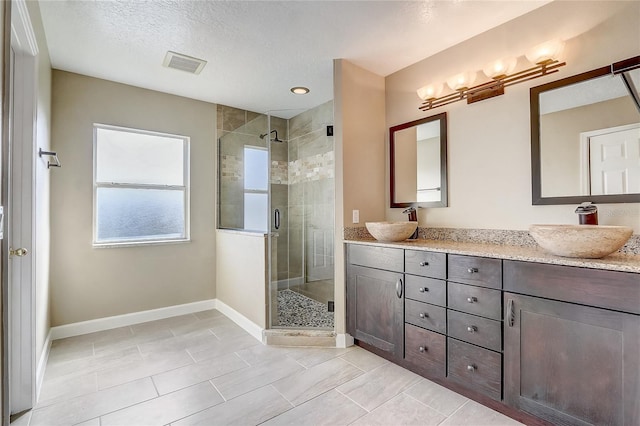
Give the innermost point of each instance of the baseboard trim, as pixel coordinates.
(42, 364)
(249, 326)
(101, 324)
(344, 340)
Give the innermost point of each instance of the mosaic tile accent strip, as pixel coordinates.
(315, 167)
(231, 168)
(296, 310)
(280, 172)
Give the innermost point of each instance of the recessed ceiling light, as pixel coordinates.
(300, 90)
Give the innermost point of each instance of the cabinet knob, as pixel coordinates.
(471, 367)
(423, 315)
(472, 329)
(472, 299)
(424, 263)
(472, 270)
(423, 289)
(422, 349)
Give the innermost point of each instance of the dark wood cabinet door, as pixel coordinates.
(375, 313)
(571, 364)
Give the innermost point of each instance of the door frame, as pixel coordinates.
(19, 375)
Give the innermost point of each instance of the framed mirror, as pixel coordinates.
(418, 167)
(585, 137)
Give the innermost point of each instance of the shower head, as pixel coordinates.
(276, 139)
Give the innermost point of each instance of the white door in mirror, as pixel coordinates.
(615, 162)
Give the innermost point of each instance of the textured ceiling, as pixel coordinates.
(258, 50)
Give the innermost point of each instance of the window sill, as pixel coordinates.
(126, 244)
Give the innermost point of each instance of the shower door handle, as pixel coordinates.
(276, 218)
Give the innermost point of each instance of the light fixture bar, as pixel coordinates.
(493, 88)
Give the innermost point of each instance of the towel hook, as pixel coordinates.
(50, 154)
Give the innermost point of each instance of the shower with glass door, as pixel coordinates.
(302, 225)
(278, 169)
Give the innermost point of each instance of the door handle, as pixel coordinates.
(276, 219)
(399, 288)
(21, 252)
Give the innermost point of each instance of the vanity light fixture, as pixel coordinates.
(299, 90)
(545, 58)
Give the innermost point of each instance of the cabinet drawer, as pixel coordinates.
(425, 350)
(477, 330)
(615, 290)
(427, 290)
(480, 271)
(480, 301)
(425, 263)
(426, 316)
(476, 368)
(376, 257)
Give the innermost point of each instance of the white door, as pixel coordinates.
(614, 162)
(19, 241)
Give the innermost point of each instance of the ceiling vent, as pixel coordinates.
(183, 62)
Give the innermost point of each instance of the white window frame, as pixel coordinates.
(186, 188)
(257, 191)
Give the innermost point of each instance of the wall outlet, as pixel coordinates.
(356, 216)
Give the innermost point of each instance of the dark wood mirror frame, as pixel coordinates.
(536, 171)
(442, 117)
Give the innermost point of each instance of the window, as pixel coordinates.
(256, 195)
(140, 186)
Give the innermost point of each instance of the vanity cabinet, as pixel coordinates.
(568, 363)
(542, 342)
(375, 302)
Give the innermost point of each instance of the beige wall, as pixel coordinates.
(242, 284)
(359, 106)
(489, 141)
(89, 283)
(42, 183)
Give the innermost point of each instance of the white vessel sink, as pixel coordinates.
(586, 241)
(391, 231)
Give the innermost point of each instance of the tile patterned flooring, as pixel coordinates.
(203, 369)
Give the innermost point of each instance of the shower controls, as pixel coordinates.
(276, 219)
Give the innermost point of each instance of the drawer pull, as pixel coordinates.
(399, 288)
(424, 263)
(472, 270)
(423, 289)
(472, 299)
(423, 315)
(422, 349)
(471, 367)
(472, 329)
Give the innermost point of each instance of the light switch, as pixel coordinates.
(356, 216)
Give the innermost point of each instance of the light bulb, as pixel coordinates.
(431, 91)
(545, 52)
(461, 81)
(500, 68)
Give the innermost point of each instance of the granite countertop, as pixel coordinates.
(614, 262)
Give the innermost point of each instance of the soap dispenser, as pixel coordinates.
(587, 214)
(413, 217)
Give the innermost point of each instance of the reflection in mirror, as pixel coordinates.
(586, 139)
(418, 163)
